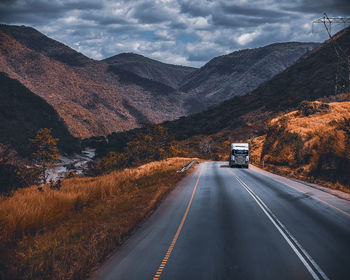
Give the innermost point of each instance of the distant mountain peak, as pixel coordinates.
(311, 77)
(168, 74)
(118, 93)
(92, 97)
(36, 41)
(240, 72)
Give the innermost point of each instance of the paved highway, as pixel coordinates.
(223, 223)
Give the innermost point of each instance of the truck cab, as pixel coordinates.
(239, 155)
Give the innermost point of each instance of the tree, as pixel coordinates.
(45, 151)
(108, 163)
(14, 172)
(153, 145)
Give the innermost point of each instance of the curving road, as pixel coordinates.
(223, 223)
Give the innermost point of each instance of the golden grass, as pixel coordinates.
(318, 134)
(61, 234)
(304, 125)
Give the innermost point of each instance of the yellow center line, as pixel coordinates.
(167, 255)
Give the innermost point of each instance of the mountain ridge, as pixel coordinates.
(90, 96)
(311, 77)
(240, 72)
(94, 98)
(168, 74)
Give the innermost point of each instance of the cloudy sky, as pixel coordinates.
(173, 31)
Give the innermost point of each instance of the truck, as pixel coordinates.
(239, 155)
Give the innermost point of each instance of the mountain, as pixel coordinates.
(311, 77)
(239, 73)
(23, 113)
(244, 117)
(96, 98)
(92, 97)
(167, 74)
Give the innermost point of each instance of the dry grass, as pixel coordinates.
(61, 234)
(306, 125)
(312, 147)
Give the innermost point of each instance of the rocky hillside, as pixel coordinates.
(311, 141)
(239, 73)
(92, 97)
(311, 77)
(123, 92)
(167, 74)
(22, 114)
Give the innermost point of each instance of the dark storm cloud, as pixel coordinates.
(40, 10)
(241, 21)
(150, 12)
(177, 25)
(332, 7)
(103, 19)
(78, 5)
(252, 11)
(173, 31)
(192, 8)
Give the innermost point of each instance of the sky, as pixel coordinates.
(173, 31)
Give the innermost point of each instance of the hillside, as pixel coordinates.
(167, 74)
(312, 141)
(311, 77)
(120, 93)
(92, 97)
(240, 72)
(22, 114)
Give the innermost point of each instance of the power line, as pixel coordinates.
(342, 75)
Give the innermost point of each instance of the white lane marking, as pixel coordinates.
(286, 235)
(299, 190)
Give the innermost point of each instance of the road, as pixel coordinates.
(224, 223)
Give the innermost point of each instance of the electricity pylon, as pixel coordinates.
(342, 75)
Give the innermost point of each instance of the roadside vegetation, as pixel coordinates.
(18, 172)
(63, 233)
(310, 143)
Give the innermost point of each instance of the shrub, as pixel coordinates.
(307, 108)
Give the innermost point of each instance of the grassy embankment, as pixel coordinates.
(62, 234)
(311, 143)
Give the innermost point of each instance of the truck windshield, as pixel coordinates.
(239, 152)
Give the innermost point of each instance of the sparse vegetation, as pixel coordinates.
(45, 151)
(151, 144)
(311, 143)
(14, 173)
(61, 234)
(307, 108)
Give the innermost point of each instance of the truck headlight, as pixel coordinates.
(247, 158)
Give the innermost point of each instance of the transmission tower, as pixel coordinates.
(342, 75)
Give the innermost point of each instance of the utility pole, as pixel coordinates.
(342, 75)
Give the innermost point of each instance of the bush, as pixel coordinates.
(283, 147)
(13, 177)
(307, 108)
(153, 144)
(332, 167)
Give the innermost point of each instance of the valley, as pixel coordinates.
(96, 98)
(92, 156)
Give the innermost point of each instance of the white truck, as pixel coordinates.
(239, 155)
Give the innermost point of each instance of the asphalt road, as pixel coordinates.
(223, 223)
